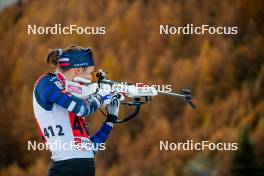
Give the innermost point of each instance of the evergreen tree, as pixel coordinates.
(245, 161)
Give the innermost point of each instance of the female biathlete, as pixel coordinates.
(61, 116)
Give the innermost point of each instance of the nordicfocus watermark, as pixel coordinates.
(191, 29)
(58, 29)
(203, 145)
(65, 146)
(141, 88)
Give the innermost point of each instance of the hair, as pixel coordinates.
(54, 54)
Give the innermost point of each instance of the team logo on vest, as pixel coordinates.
(75, 89)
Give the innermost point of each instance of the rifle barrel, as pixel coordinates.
(171, 93)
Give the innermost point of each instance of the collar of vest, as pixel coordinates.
(61, 78)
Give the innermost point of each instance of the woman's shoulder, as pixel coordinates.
(47, 78)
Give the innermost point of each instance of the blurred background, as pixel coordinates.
(225, 73)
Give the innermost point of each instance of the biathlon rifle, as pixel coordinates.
(139, 93)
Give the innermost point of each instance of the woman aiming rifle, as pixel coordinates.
(61, 116)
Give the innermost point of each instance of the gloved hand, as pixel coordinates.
(113, 107)
(95, 98)
(103, 95)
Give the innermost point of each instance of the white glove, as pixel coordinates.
(113, 107)
(105, 96)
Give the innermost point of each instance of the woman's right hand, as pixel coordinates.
(104, 95)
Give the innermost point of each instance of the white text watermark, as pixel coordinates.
(65, 146)
(191, 29)
(199, 146)
(58, 29)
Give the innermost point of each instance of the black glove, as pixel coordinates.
(111, 118)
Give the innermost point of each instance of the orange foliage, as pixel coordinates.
(226, 74)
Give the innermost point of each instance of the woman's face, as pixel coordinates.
(85, 72)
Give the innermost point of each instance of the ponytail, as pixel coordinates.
(54, 56)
